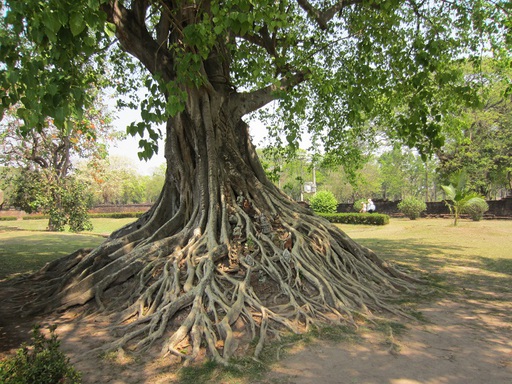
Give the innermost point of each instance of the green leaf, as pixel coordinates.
(450, 191)
(76, 23)
(110, 29)
(51, 22)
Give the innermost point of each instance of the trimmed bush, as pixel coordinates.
(323, 202)
(8, 218)
(476, 208)
(412, 207)
(106, 215)
(356, 218)
(36, 217)
(116, 215)
(42, 363)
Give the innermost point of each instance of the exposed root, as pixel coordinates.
(212, 268)
(189, 293)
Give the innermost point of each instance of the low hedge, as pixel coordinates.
(115, 215)
(356, 218)
(8, 218)
(36, 217)
(109, 215)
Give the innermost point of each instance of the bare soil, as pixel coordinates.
(466, 337)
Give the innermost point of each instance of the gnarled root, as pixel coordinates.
(282, 269)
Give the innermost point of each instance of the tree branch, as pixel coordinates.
(247, 102)
(134, 37)
(163, 29)
(140, 8)
(322, 17)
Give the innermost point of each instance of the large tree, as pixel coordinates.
(223, 253)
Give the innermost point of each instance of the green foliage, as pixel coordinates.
(358, 204)
(476, 208)
(60, 35)
(356, 218)
(403, 173)
(41, 363)
(74, 208)
(412, 207)
(64, 201)
(8, 218)
(458, 197)
(398, 73)
(482, 149)
(287, 169)
(323, 202)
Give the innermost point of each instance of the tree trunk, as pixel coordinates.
(222, 250)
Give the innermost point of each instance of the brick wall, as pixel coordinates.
(497, 208)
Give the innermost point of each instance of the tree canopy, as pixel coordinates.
(483, 148)
(335, 67)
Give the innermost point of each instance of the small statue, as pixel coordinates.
(240, 199)
(286, 256)
(265, 225)
(247, 206)
(237, 232)
(249, 260)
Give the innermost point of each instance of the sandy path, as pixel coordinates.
(462, 343)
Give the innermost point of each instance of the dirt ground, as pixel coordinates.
(466, 338)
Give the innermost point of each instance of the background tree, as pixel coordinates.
(116, 180)
(41, 164)
(106, 176)
(154, 184)
(483, 149)
(183, 273)
(404, 174)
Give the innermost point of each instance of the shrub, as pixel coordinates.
(356, 218)
(116, 215)
(323, 202)
(412, 207)
(36, 217)
(8, 218)
(359, 204)
(42, 363)
(476, 208)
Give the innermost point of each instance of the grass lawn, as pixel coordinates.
(101, 226)
(471, 251)
(26, 246)
(472, 260)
